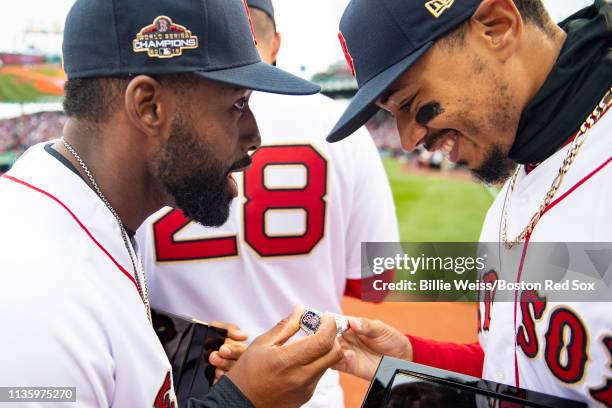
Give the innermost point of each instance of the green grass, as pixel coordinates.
(20, 91)
(430, 209)
(50, 71)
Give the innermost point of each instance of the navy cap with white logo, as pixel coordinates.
(263, 5)
(211, 38)
(382, 39)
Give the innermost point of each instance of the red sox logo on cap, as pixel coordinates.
(347, 54)
(246, 6)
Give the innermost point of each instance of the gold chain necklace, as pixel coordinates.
(573, 151)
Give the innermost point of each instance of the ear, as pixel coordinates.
(275, 46)
(148, 105)
(499, 27)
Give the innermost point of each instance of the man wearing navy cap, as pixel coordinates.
(497, 84)
(298, 237)
(157, 99)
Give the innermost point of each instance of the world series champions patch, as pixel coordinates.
(164, 39)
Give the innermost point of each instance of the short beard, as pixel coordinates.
(193, 176)
(496, 167)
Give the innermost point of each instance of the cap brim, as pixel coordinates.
(262, 77)
(363, 105)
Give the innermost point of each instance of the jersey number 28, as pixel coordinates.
(260, 199)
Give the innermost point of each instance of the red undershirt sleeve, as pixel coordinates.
(461, 358)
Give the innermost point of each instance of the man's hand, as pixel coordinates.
(230, 351)
(271, 373)
(366, 342)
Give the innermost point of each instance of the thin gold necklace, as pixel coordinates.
(573, 151)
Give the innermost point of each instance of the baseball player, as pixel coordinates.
(158, 115)
(500, 84)
(295, 233)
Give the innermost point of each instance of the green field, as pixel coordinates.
(19, 91)
(12, 91)
(431, 209)
(30, 84)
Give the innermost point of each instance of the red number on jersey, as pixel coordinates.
(566, 346)
(169, 249)
(262, 198)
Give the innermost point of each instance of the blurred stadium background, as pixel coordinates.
(435, 202)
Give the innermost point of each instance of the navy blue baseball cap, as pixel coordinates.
(210, 38)
(382, 39)
(263, 5)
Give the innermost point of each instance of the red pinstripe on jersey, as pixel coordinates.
(548, 208)
(83, 227)
(468, 358)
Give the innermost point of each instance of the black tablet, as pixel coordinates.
(401, 384)
(188, 344)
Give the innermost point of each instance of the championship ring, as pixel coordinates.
(311, 320)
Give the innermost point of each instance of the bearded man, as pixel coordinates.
(155, 119)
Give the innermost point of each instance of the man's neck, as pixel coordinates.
(120, 176)
(547, 47)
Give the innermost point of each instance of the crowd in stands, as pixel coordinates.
(17, 134)
(383, 129)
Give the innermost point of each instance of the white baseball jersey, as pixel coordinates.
(71, 313)
(293, 236)
(557, 348)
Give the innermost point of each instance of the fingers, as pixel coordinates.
(227, 355)
(349, 356)
(218, 361)
(233, 331)
(232, 350)
(356, 324)
(314, 354)
(284, 329)
(349, 339)
(218, 374)
(347, 363)
(333, 357)
(366, 327)
(309, 349)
